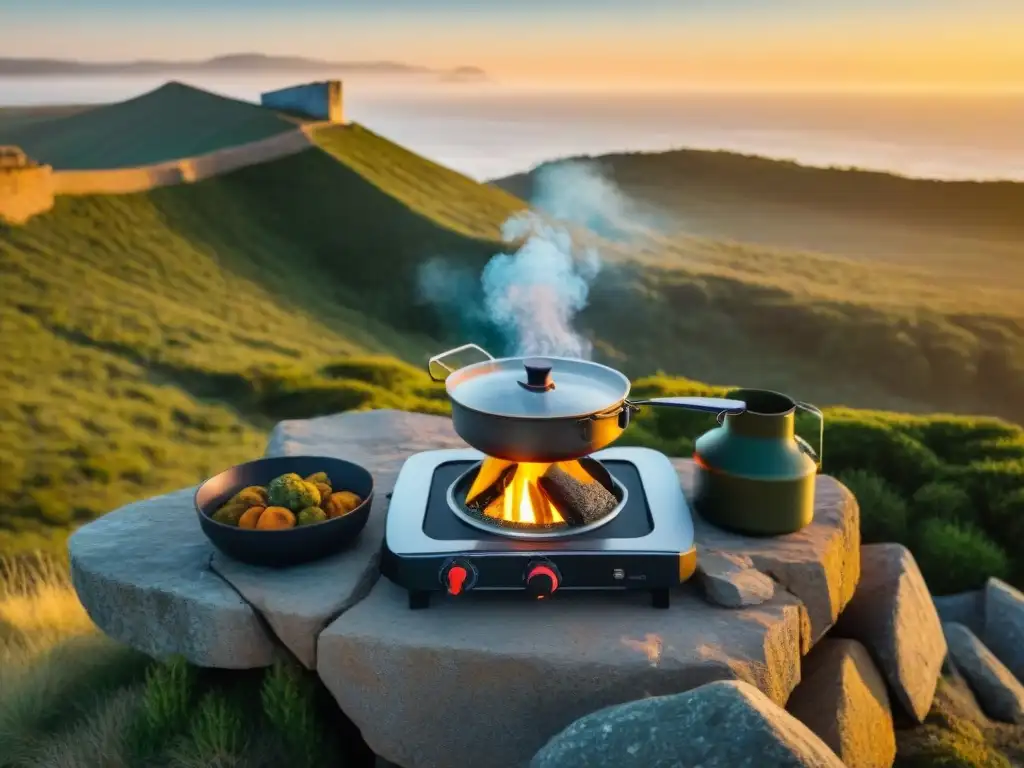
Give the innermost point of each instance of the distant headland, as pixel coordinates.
(236, 63)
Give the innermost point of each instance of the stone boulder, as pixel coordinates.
(731, 581)
(819, 565)
(718, 725)
(143, 574)
(893, 615)
(843, 699)
(1004, 625)
(967, 608)
(998, 692)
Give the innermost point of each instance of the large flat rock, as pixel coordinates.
(143, 575)
(299, 602)
(488, 681)
(819, 564)
(356, 435)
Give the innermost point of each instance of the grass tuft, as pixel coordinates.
(288, 703)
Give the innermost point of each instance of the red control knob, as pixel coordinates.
(455, 579)
(541, 580)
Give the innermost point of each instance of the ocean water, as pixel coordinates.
(491, 130)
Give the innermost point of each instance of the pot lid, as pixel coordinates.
(537, 387)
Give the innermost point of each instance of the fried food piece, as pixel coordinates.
(229, 514)
(311, 516)
(275, 519)
(341, 503)
(253, 496)
(320, 478)
(292, 492)
(250, 517)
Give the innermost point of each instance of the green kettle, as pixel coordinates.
(755, 475)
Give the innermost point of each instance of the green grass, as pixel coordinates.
(147, 334)
(957, 734)
(168, 123)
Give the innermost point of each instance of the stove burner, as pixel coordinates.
(458, 491)
(647, 544)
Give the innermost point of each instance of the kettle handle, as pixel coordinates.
(803, 444)
(438, 358)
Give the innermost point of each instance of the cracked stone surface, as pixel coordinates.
(299, 602)
(820, 564)
(519, 671)
(143, 575)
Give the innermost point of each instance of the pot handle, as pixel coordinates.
(706, 404)
(803, 444)
(438, 358)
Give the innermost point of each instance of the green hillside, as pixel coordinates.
(168, 123)
(849, 212)
(855, 287)
(152, 339)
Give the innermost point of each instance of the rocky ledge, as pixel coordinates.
(518, 672)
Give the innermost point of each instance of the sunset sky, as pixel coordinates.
(709, 42)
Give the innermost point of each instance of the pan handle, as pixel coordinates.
(438, 358)
(707, 404)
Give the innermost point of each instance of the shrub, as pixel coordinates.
(1007, 517)
(883, 513)
(942, 501)
(957, 556)
(166, 705)
(216, 732)
(288, 699)
(872, 444)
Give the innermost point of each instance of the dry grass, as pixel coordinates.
(38, 609)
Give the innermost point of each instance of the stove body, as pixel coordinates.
(648, 545)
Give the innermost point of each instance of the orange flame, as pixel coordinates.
(523, 501)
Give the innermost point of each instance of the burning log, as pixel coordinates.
(578, 502)
(480, 499)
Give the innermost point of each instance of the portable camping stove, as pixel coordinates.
(434, 541)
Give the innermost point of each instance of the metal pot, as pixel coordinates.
(546, 409)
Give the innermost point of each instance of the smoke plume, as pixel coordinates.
(532, 294)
